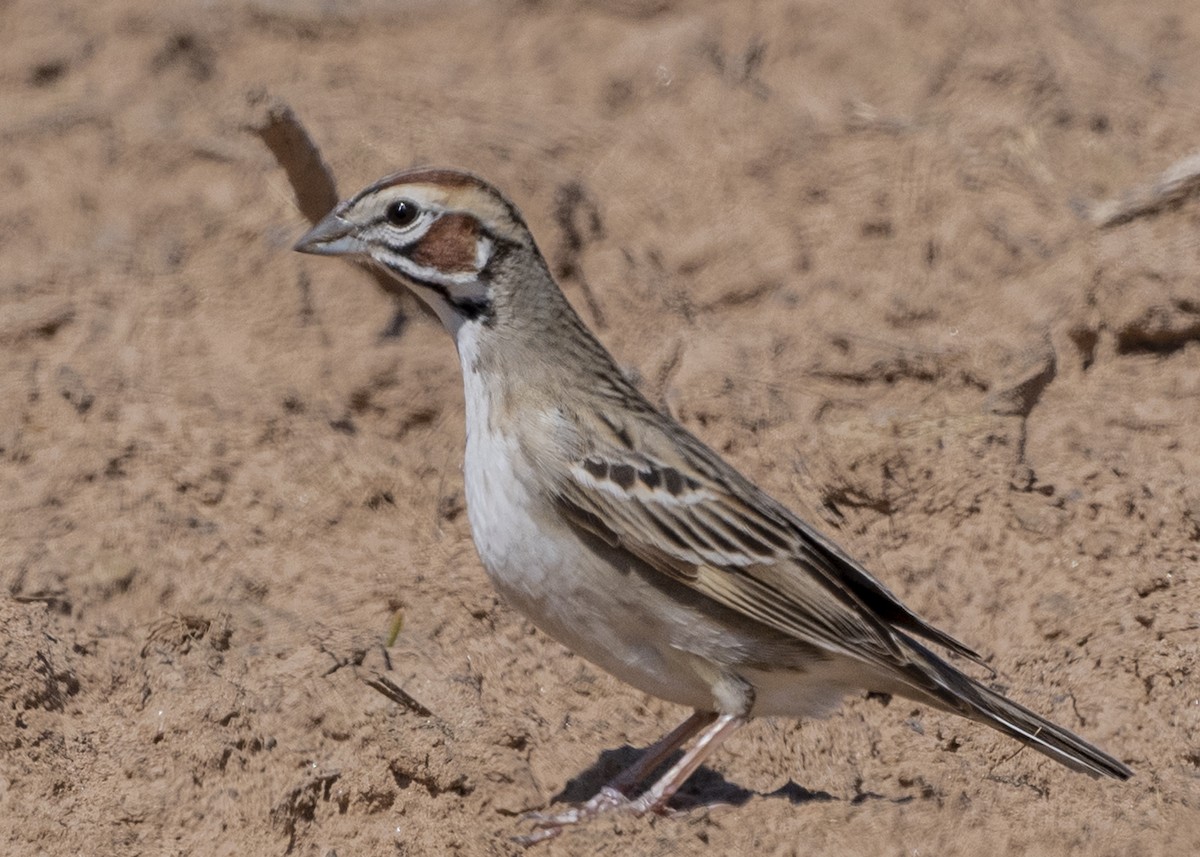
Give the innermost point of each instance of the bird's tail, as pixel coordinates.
(957, 692)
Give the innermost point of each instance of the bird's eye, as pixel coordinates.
(402, 212)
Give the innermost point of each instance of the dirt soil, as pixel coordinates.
(855, 247)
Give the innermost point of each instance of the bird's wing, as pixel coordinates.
(658, 492)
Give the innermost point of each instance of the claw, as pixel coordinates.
(526, 840)
(713, 730)
(547, 826)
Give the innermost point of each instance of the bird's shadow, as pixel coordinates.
(705, 787)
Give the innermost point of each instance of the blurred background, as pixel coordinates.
(927, 272)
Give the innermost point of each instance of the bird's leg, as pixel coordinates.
(613, 795)
(655, 798)
(657, 753)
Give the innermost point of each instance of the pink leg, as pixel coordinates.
(657, 753)
(655, 798)
(613, 795)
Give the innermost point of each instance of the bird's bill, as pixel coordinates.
(333, 236)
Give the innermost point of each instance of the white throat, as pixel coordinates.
(500, 506)
(466, 341)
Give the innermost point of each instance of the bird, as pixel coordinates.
(623, 536)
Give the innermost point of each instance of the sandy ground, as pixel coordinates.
(844, 243)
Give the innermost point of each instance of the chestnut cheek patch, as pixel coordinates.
(449, 245)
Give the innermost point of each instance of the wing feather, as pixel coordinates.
(689, 515)
(690, 543)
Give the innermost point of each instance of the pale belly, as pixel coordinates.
(629, 620)
(599, 604)
(603, 613)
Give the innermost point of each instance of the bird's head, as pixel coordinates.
(443, 233)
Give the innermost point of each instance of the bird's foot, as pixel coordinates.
(713, 730)
(608, 799)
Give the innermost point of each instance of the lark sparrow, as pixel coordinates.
(624, 537)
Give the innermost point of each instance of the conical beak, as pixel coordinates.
(333, 236)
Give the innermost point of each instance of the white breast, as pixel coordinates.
(591, 599)
(500, 505)
(543, 569)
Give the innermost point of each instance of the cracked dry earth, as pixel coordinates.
(846, 244)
